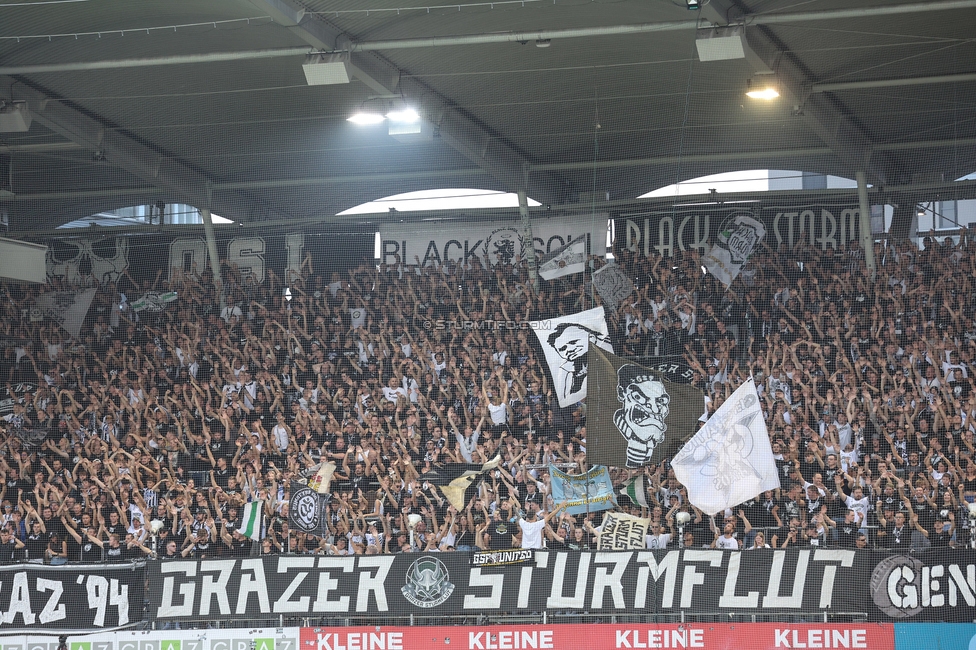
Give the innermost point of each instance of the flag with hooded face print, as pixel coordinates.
(565, 342)
(635, 416)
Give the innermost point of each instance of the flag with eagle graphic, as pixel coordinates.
(635, 416)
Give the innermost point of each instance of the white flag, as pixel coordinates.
(67, 308)
(738, 237)
(358, 317)
(565, 342)
(622, 531)
(613, 285)
(729, 460)
(565, 260)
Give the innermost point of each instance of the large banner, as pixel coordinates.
(662, 234)
(561, 636)
(71, 597)
(791, 581)
(582, 493)
(107, 259)
(492, 243)
(926, 636)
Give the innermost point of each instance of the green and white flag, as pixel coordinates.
(154, 301)
(636, 490)
(251, 527)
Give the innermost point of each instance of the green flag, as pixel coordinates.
(635, 416)
(251, 526)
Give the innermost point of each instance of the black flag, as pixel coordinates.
(634, 415)
(307, 510)
(454, 478)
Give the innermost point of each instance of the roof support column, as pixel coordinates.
(867, 241)
(208, 230)
(528, 247)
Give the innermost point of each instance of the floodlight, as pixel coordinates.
(366, 115)
(405, 115)
(762, 86)
(326, 69)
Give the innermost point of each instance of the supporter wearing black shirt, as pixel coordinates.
(895, 533)
(847, 531)
(36, 543)
(498, 533)
(10, 547)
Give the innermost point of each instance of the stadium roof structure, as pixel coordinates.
(208, 103)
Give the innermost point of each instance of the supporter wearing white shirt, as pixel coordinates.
(532, 527)
(281, 432)
(657, 538)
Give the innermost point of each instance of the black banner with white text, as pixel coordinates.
(71, 597)
(935, 586)
(665, 234)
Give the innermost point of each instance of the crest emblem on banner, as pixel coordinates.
(304, 508)
(428, 584)
(502, 246)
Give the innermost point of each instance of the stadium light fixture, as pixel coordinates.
(366, 115)
(403, 115)
(762, 86)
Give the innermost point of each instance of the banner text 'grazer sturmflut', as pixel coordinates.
(884, 587)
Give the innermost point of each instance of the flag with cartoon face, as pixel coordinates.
(635, 416)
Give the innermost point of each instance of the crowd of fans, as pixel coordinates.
(184, 415)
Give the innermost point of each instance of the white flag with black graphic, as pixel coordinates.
(67, 308)
(613, 285)
(565, 342)
(730, 459)
(565, 260)
(357, 316)
(738, 237)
